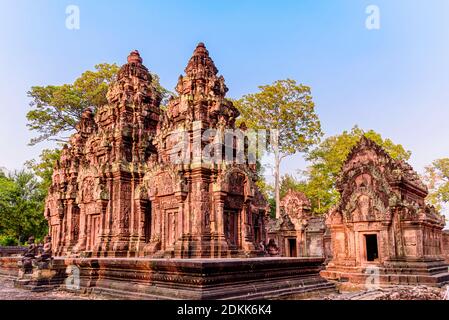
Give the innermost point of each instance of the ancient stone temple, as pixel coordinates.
(382, 228)
(125, 188)
(139, 183)
(298, 233)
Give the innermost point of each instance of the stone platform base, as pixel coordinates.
(199, 279)
(392, 273)
(38, 281)
(36, 285)
(9, 267)
(193, 279)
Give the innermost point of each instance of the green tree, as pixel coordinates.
(288, 182)
(437, 177)
(43, 168)
(21, 206)
(287, 110)
(56, 110)
(6, 189)
(327, 159)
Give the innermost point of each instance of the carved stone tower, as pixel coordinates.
(90, 204)
(126, 186)
(202, 209)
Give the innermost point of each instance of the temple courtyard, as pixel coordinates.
(9, 292)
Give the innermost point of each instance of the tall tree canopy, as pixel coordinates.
(55, 110)
(287, 108)
(43, 168)
(437, 176)
(21, 206)
(326, 161)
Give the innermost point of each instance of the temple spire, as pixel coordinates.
(201, 64)
(134, 57)
(134, 84)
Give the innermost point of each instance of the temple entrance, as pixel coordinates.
(147, 223)
(231, 226)
(256, 230)
(372, 251)
(292, 248)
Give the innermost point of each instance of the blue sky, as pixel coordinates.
(394, 80)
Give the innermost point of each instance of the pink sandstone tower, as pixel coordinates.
(117, 192)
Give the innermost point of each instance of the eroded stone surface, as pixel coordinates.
(391, 293)
(446, 245)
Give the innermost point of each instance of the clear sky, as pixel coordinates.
(394, 80)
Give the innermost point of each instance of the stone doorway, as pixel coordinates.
(147, 223)
(257, 237)
(292, 251)
(372, 250)
(231, 226)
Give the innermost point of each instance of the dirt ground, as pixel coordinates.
(393, 293)
(8, 292)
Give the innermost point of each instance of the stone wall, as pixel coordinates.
(9, 267)
(192, 279)
(446, 245)
(11, 251)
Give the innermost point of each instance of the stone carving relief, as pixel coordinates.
(117, 170)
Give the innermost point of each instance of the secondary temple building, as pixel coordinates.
(298, 233)
(382, 225)
(117, 192)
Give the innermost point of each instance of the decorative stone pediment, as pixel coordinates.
(235, 180)
(296, 204)
(365, 205)
(285, 223)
